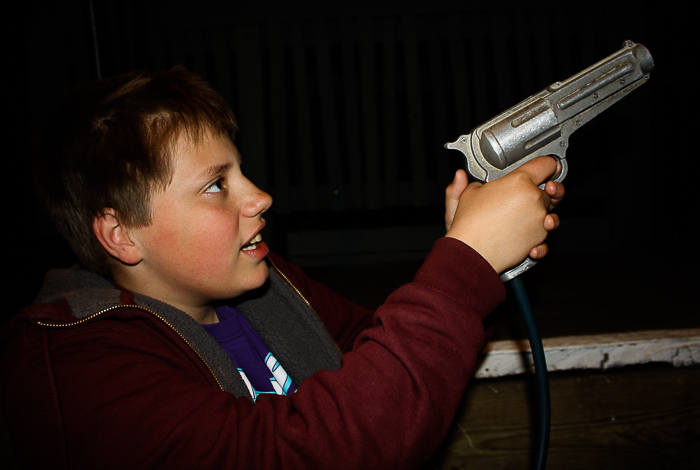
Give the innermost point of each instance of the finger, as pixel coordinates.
(541, 169)
(554, 189)
(551, 222)
(539, 251)
(556, 192)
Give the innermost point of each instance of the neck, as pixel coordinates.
(206, 317)
(201, 313)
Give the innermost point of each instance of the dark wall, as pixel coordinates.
(630, 186)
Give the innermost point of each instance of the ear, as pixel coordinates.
(114, 237)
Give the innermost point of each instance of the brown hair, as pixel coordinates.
(110, 145)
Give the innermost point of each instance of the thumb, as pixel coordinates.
(458, 185)
(452, 195)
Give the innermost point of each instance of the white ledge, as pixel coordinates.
(677, 347)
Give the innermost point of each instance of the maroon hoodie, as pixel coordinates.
(96, 377)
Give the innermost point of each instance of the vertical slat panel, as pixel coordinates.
(391, 132)
(194, 49)
(352, 130)
(415, 110)
(588, 47)
(250, 99)
(502, 74)
(525, 64)
(329, 118)
(282, 193)
(461, 83)
(436, 155)
(175, 47)
(158, 51)
(303, 117)
(481, 74)
(562, 48)
(223, 74)
(370, 124)
(545, 67)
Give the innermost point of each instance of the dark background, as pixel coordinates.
(627, 245)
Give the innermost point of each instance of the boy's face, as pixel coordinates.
(201, 245)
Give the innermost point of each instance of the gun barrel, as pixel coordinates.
(605, 78)
(542, 123)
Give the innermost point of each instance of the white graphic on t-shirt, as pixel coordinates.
(278, 372)
(280, 380)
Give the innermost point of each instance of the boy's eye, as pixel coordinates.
(215, 187)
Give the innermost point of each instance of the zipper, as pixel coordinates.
(291, 284)
(145, 309)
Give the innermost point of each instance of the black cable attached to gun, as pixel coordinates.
(541, 375)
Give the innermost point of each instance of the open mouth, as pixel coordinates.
(253, 244)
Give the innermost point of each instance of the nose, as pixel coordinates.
(257, 202)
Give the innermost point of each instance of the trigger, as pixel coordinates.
(559, 177)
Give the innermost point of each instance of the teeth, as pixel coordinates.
(253, 243)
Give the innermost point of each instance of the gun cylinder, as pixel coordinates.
(508, 140)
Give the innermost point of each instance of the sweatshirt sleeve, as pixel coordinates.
(395, 396)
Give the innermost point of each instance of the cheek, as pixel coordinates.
(203, 243)
(212, 237)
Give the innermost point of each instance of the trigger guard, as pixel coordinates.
(559, 177)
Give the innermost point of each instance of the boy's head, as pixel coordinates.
(110, 145)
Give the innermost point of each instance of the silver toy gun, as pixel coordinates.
(541, 124)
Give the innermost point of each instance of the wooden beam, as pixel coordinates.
(606, 351)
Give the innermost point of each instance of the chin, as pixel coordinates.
(254, 279)
(262, 276)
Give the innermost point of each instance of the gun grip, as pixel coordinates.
(518, 270)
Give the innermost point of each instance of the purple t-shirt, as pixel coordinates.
(258, 367)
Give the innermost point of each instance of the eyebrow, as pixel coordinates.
(215, 170)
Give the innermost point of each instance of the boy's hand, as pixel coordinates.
(506, 219)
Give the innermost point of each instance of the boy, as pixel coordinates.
(181, 342)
